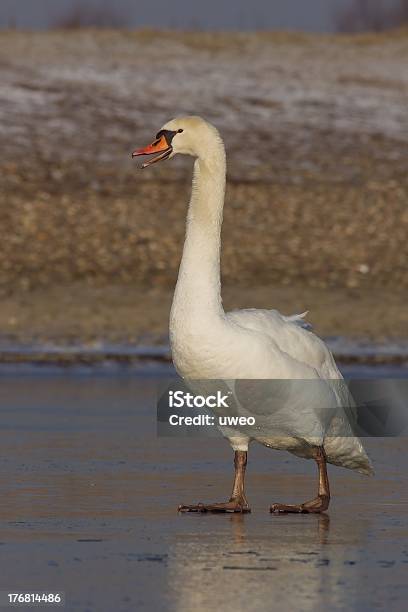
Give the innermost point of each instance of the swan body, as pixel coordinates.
(208, 343)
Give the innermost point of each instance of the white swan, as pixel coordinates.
(313, 420)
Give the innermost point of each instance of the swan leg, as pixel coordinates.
(319, 503)
(237, 502)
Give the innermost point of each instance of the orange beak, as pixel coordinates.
(160, 146)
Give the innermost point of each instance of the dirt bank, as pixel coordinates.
(316, 133)
(129, 314)
(316, 210)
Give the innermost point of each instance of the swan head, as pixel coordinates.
(188, 135)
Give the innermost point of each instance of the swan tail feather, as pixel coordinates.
(299, 319)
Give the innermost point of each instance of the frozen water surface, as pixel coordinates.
(89, 498)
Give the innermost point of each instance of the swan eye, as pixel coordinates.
(180, 130)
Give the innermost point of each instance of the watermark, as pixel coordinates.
(29, 599)
(280, 408)
(180, 398)
(205, 420)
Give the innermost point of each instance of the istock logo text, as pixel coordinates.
(179, 399)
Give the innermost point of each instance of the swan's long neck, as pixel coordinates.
(197, 298)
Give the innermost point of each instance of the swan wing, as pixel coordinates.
(341, 445)
(292, 335)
